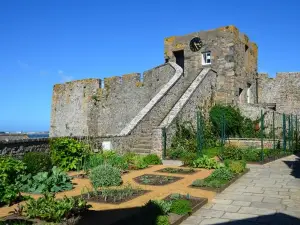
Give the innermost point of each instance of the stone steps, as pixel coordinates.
(141, 151)
(143, 145)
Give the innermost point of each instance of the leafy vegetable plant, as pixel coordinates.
(205, 162)
(54, 181)
(49, 209)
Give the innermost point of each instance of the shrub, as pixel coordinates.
(111, 158)
(233, 117)
(162, 220)
(10, 169)
(54, 181)
(188, 158)
(217, 179)
(37, 162)
(232, 152)
(175, 153)
(128, 157)
(222, 173)
(252, 155)
(68, 153)
(116, 161)
(93, 161)
(138, 162)
(54, 210)
(8, 194)
(236, 166)
(105, 176)
(135, 161)
(165, 206)
(205, 162)
(152, 159)
(181, 207)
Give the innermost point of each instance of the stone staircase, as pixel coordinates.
(144, 144)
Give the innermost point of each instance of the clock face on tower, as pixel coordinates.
(196, 44)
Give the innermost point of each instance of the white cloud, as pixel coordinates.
(22, 65)
(64, 77)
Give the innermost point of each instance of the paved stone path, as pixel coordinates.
(267, 194)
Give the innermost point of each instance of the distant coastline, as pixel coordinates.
(38, 135)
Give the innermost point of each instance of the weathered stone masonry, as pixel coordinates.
(18, 148)
(219, 67)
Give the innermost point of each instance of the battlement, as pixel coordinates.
(237, 36)
(280, 75)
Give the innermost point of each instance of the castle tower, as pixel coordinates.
(225, 50)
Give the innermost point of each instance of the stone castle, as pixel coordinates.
(200, 69)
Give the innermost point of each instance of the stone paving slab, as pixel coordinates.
(267, 194)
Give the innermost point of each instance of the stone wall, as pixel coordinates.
(284, 90)
(125, 100)
(236, 66)
(254, 143)
(70, 107)
(18, 148)
(253, 111)
(82, 108)
(8, 137)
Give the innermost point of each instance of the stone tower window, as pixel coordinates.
(206, 60)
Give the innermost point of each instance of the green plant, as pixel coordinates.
(37, 162)
(222, 173)
(68, 153)
(152, 159)
(105, 176)
(111, 158)
(54, 181)
(209, 183)
(49, 209)
(217, 179)
(181, 207)
(8, 194)
(10, 169)
(188, 158)
(252, 155)
(205, 162)
(175, 196)
(138, 162)
(175, 153)
(162, 220)
(211, 152)
(233, 119)
(177, 170)
(93, 161)
(232, 152)
(235, 166)
(165, 206)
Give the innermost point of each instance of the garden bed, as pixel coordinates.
(196, 203)
(156, 180)
(16, 219)
(113, 196)
(177, 170)
(220, 189)
(270, 159)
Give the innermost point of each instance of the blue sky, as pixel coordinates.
(51, 41)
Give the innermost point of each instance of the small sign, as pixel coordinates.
(106, 145)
